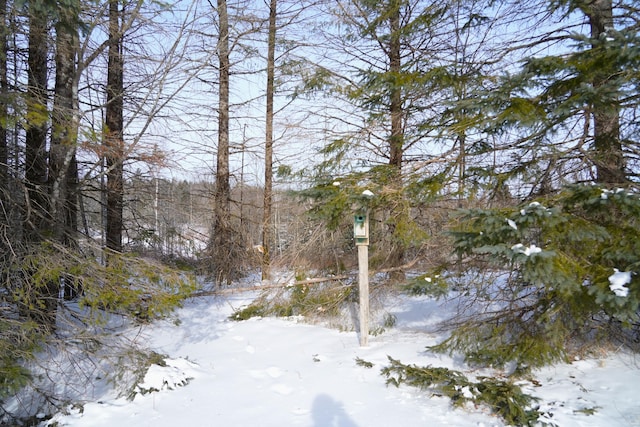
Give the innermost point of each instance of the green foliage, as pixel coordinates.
(382, 325)
(129, 285)
(508, 338)
(363, 363)
(256, 309)
(428, 284)
(284, 171)
(544, 101)
(18, 341)
(507, 400)
(331, 203)
(362, 159)
(37, 116)
(137, 288)
(320, 79)
(133, 367)
(389, 320)
(503, 397)
(336, 195)
(393, 227)
(588, 411)
(315, 300)
(558, 285)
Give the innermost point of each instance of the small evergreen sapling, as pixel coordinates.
(567, 274)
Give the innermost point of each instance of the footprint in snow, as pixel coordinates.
(300, 411)
(282, 389)
(274, 372)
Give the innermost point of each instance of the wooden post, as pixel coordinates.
(361, 235)
(363, 282)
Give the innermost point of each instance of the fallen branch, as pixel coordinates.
(313, 281)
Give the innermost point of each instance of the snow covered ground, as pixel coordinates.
(284, 372)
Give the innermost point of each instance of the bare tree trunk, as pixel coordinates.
(4, 93)
(36, 217)
(222, 235)
(609, 159)
(113, 138)
(222, 198)
(63, 169)
(396, 141)
(40, 300)
(268, 149)
(5, 199)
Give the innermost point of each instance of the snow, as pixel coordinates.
(367, 193)
(605, 193)
(526, 250)
(285, 372)
(176, 373)
(618, 280)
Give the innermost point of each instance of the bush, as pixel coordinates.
(428, 284)
(567, 274)
(317, 300)
(140, 288)
(17, 342)
(40, 314)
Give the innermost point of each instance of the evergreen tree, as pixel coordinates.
(565, 116)
(552, 276)
(383, 91)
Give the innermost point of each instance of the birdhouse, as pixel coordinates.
(361, 228)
